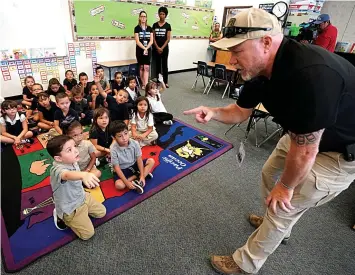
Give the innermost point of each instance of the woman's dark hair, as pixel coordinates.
(148, 112)
(163, 9)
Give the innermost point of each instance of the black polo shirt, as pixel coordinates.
(27, 92)
(104, 139)
(70, 84)
(310, 89)
(117, 111)
(48, 114)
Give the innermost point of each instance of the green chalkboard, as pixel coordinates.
(107, 19)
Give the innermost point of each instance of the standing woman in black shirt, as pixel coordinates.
(162, 32)
(143, 35)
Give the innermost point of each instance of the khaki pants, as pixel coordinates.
(79, 220)
(330, 175)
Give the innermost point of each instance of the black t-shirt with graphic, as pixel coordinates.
(144, 36)
(65, 121)
(161, 33)
(310, 89)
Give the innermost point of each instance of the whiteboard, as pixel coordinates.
(28, 24)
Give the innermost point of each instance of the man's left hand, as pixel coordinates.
(281, 196)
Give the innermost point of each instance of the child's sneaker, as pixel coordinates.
(97, 162)
(168, 122)
(28, 140)
(59, 224)
(149, 176)
(139, 189)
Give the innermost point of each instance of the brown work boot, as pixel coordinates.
(226, 265)
(255, 220)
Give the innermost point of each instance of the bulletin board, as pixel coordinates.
(111, 20)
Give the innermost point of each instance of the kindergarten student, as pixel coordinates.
(142, 123)
(27, 91)
(158, 109)
(54, 87)
(99, 133)
(117, 83)
(87, 157)
(14, 128)
(117, 106)
(36, 89)
(83, 82)
(126, 156)
(72, 205)
(46, 110)
(69, 81)
(81, 106)
(95, 100)
(65, 115)
(103, 81)
(132, 90)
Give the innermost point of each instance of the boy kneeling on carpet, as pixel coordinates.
(126, 157)
(72, 205)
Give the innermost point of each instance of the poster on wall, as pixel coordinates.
(110, 20)
(30, 53)
(267, 7)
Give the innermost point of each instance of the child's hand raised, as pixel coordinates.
(160, 78)
(90, 180)
(96, 79)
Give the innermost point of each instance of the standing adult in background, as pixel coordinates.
(162, 32)
(327, 33)
(216, 35)
(311, 93)
(143, 35)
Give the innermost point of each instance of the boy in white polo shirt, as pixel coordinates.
(130, 170)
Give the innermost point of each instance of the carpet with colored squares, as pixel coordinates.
(27, 228)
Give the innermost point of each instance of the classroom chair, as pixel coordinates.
(134, 71)
(254, 118)
(220, 74)
(202, 71)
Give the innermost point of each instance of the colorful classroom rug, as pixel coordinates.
(27, 228)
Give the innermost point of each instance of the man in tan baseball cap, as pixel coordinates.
(311, 93)
(245, 35)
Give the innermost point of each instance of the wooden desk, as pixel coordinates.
(114, 64)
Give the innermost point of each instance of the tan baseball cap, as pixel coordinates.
(250, 18)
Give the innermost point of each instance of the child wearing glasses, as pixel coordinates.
(87, 157)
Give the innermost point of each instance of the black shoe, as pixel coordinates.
(149, 176)
(139, 186)
(59, 224)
